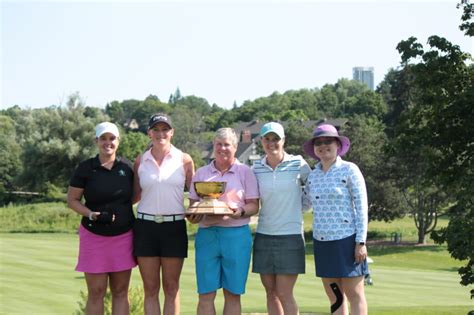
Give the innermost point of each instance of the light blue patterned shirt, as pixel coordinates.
(339, 200)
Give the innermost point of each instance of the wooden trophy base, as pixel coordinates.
(210, 206)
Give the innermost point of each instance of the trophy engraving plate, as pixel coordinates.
(210, 192)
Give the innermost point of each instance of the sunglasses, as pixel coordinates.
(317, 143)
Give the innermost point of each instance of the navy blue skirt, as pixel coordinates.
(335, 259)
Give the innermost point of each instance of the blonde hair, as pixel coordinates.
(227, 134)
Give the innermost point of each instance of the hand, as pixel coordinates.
(237, 213)
(105, 217)
(93, 215)
(194, 218)
(360, 253)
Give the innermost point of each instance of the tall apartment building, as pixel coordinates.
(364, 75)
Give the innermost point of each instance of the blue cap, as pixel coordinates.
(273, 127)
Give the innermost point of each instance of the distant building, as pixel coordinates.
(364, 75)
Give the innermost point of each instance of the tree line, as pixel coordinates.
(412, 137)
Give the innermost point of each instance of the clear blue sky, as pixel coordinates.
(224, 51)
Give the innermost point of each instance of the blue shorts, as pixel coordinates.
(223, 258)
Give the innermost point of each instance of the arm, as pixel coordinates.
(188, 165)
(74, 196)
(359, 197)
(194, 218)
(249, 209)
(307, 202)
(305, 170)
(137, 190)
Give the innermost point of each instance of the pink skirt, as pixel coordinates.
(101, 254)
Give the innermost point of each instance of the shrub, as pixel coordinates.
(135, 296)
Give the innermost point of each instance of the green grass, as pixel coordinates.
(405, 227)
(37, 270)
(37, 277)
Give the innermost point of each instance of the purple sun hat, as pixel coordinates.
(326, 130)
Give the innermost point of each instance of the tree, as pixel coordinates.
(295, 135)
(54, 140)
(444, 119)
(10, 152)
(368, 151)
(132, 144)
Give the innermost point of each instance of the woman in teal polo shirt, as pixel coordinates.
(278, 250)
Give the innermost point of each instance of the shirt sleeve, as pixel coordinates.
(306, 198)
(360, 202)
(79, 178)
(250, 184)
(305, 170)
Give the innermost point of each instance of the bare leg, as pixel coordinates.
(284, 290)
(273, 303)
(96, 289)
(333, 299)
(355, 292)
(119, 282)
(206, 304)
(231, 303)
(150, 272)
(171, 270)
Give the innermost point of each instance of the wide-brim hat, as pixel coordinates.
(157, 118)
(326, 130)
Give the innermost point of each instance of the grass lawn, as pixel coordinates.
(37, 277)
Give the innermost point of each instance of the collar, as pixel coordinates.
(96, 162)
(286, 157)
(232, 168)
(336, 164)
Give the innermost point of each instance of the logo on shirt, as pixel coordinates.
(121, 173)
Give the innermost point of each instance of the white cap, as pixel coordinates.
(105, 127)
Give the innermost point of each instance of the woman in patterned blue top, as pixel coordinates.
(336, 190)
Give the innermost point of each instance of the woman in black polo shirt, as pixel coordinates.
(105, 234)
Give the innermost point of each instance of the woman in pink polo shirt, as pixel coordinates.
(160, 238)
(223, 243)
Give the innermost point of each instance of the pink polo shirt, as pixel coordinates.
(241, 185)
(162, 186)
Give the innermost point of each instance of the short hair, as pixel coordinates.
(227, 134)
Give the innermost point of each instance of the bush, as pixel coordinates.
(135, 296)
(40, 217)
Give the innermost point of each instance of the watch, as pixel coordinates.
(361, 243)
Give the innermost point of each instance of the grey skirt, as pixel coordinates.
(278, 254)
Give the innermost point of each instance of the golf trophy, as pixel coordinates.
(210, 192)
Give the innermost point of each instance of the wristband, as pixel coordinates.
(90, 215)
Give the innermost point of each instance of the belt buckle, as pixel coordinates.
(159, 218)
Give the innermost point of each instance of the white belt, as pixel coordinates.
(160, 218)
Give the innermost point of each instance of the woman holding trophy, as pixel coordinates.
(279, 248)
(223, 242)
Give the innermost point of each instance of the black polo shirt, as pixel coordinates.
(106, 190)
